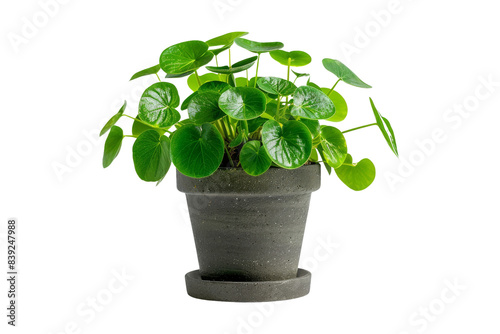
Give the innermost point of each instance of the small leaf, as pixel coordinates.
(254, 158)
(184, 57)
(288, 146)
(193, 82)
(312, 84)
(334, 146)
(339, 103)
(277, 86)
(344, 73)
(292, 58)
(112, 121)
(299, 75)
(217, 51)
(158, 103)
(258, 47)
(240, 66)
(386, 129)
(312, 125)
(151, 154)
(356, 176)
(197, 151)
(237, 141)
(311, 103)
(148, 71)
(139, 127)
(112, 146)
(226, 39)
(204, 107)
(243, 103)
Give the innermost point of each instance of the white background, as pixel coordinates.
(396, 246)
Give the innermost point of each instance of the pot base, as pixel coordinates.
(257, 291)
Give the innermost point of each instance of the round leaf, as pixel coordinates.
(356, 176)
(289, 146)
(312, 125)
(112, 145)
(204, 107)
(256, 123)
(334, 146)
(299, 75)
(148, 71)
(241, 82)
(254, 158)
(193, 82)
(112, 121)
(214, 86)
(386, 129)
(292, 58)
(217, 51)
(258, 47)
(240, 66)
(344, 73)
(243, 102)
(158, 103)
(184, 57)
(226, 39)
(276, 86)
(139, 127)
(151, 154)
(312, 103)
(339, 103)
(197, 151)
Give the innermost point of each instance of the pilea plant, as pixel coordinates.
(231, 120)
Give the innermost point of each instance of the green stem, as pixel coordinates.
(197, 77)
(277, 117)
(247, 77)
(217, 64)
(229, 156)
(158, 77)
(131, 136)
(141, 121)
(331, 90)
(288, 73)
(229, 57)
(359, 127)
(257, 71)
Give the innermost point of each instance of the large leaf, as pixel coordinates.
(140, 127)
(254, 158)
(184, 57)
(214, 86)
(197, 151)
(339, 103)
(240, 66)
(243, 102)
(258, 47)
(226, 39)
(276, 86)
(151, 154)
(292, 58)
(193, 82)
(158, 103)
(312, 103)
(386, 129)
(112, 121)
(148, 71)
(312, 125)
(288, 146)
(334, 146)
(344, 73)
(356, 176)
(112, 146)
(204, 107)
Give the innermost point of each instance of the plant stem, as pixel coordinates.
(277, 116)
(288, 73)
(257, 71)
(141, 121)
(247, 77)
(131, 136)
(229, 57)
(197, 77)
(359, 127)
(331, 90)
(229, 156)
(158, 77)
(217, 64)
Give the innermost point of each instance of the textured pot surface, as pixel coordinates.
(249, 228)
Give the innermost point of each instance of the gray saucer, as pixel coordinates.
(257, 291)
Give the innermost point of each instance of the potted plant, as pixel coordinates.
(247, 153)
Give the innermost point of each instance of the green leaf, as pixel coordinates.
(181, 75)
(312, 125)
(327, 166)
(240, 66)
(226, 39)
(356, 176)
(258, 47)
(139, 127)
(299, 75)
(158, 103)
(188, 99)
(112, 146)
(312, 84)
(334, 146)
(243, 103)
(344, 73)
(237, 141)
(289, 146)
(386, 129)
(183, 122)
(151, 155)
(148, 71)
(255, 124)
(314, 156)
(184, 57)
(193, 82)
(339, 103)
(276, 86)
(292, 58)
(254, 158)
(197, 151)
(112, 121)
(204, 107)
(312, 103)
(241, 82)
(217, 51)
(214, 86)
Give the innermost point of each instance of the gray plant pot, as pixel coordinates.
(248, 233)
